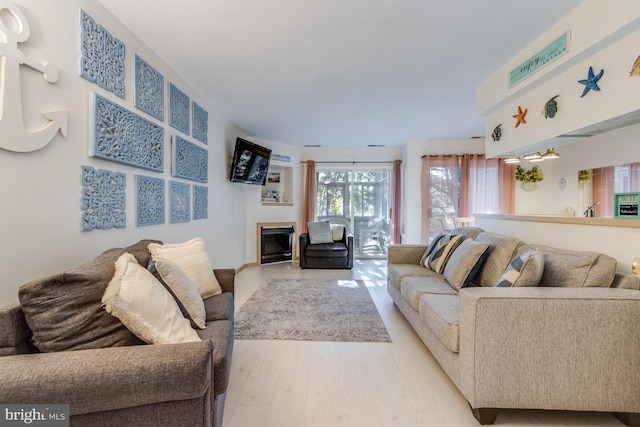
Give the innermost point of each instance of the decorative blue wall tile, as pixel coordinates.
(103, 199)
(178, 109)
(149, 200)
(180, 201)
(189, 160)
(103, 56)
(200, 123)
(149, 89)
(120, 135)
(200, 202)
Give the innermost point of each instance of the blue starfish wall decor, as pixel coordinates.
(591, 82)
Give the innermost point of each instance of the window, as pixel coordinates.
(360, 200)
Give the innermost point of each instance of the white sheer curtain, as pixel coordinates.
(487, 186)
(439, 188)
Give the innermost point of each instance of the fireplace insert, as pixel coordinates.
(276, 244)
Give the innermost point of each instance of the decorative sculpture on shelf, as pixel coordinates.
(520, 117)
(591, 82)
(550, 108)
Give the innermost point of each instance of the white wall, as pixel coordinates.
(604, 41)
(40, 191)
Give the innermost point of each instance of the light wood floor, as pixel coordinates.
(325, 384)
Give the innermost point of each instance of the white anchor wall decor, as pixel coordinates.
(13, 134)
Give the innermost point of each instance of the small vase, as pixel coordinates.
(529, 186)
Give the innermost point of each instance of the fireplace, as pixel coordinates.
(275, 243)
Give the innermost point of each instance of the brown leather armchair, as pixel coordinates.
(326, 255)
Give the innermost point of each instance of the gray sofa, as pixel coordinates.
(61, 347)
(570, 343)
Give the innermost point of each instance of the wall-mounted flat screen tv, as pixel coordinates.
(250, 163)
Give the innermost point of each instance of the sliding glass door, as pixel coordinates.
(360, 200)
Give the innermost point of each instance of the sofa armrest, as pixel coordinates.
(550, 348)
(226, 278)
(110, 378)
(405, 254)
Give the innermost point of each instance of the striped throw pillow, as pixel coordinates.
(439, 241)
(525, 270)
(439, 257)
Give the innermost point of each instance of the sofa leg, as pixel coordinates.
(485, 416)
(630, 419)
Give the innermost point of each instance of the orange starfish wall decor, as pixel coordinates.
(520, 116)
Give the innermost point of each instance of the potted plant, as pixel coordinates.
(529, 177)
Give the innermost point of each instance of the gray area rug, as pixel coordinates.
(315, 310)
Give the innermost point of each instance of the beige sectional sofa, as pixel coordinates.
(570, 343)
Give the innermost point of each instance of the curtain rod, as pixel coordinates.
(353, 163)
(449, 155)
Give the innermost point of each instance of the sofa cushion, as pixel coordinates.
(568, 268)
(525, 270)
(397, 272)
(412, 288)
(191, 256)
(319, 232)
(438, 258)
(183, 290)
(15, 331)
(464, 263)
(327, 250)
(64, 311)
(337, 232)
(219, 307)
(439, 241)
(502, 250)
(220, 333)
(441, 314)
(146, 308)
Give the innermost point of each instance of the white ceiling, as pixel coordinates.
(341, 72)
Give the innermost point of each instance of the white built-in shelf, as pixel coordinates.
(280, 181)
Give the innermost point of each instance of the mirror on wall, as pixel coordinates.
(602, 183)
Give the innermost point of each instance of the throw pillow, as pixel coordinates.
(439, 241)
(64, 311)
(145, 307)
(464, 263)
(181, 288)
(524, 270)
(439, 257)
(319, 232)
(337, 232)
(191, 256)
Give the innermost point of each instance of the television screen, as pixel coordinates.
(250, 163)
